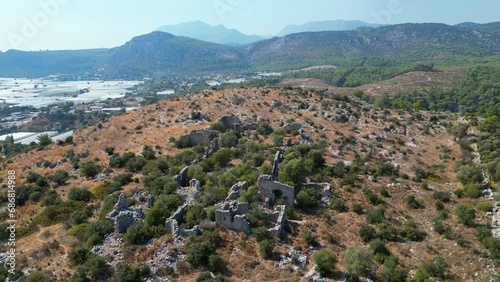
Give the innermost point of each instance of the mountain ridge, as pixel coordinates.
(160, 53)
(210, 33)
(333, 25)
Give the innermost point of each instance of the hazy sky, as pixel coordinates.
(79, 24)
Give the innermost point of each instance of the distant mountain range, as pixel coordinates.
(161, 53)
(335, 25)
(491, 28)
(215, 34)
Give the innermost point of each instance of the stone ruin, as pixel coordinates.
(270, 190)
(181, 178)
(202, 137)
(172, 224)
(231, 213)
(123, 216)
(191, 194)
(212, 148)
(234, 123)
(278, 158)
(231, 122)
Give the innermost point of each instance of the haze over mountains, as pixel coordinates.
(216, 34)
(335, 25)
(160, 53)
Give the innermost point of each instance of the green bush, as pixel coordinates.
(127, 273)
(79, 255)
(137, 234)
(359, 261)
(266, 248)
(38, 276)
(326, 262)
(339, 205)
(413, 203)
(80, 194)
(367, 233)
(308, 198)
(466, 214)
(468, 174)
(260, 233)
(444, 197)
(90, 170)
(222, 157)
(473, 190)
(392, 272)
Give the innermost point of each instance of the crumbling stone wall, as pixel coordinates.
(201, 137)
(278, 158)
(235, 191)
(268, 188)
(231, 122)
(181, 178)
(230, 220)
(279, 217)
(174, 221)
(123, 216)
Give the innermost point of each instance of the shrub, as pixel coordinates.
(60, 177)
(392, 272)
(444, 197)
(260, 233)
(310, 239)
(357, 208)
(98, 269)
(466, 214)
(437, 268)
(126, 273)
(339, 205)
(359, 261)
(378, 247)
(79, 255)
(137, 234)
(197, 254)
(79, 194)
(222, 157)
(413, 203)
(377, 215)
(266, 249)
(367, 233)
(326, 261)
(473, 190)
(308, 198)
(38, 276)
(90, 170)
(468, 174)
(411, 232)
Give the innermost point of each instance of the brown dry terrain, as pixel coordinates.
(420, 146)
(445, 78)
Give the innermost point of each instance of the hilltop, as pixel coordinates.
(386, 179)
